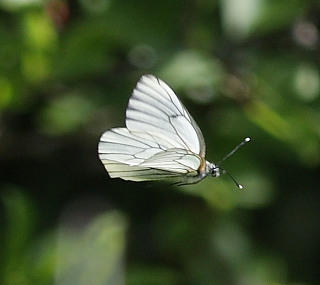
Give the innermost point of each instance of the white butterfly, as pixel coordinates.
(161, 140)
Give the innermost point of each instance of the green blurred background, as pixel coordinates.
(241, 67)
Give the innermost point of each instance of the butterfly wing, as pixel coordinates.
(161, 141)
(154, 109)
(130, 157)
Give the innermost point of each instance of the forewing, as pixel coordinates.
(155, 111)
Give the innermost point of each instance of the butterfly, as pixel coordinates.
(161, 140)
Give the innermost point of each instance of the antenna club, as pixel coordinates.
(247, 139)
(240, 186)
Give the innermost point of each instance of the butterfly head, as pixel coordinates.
(214, 170)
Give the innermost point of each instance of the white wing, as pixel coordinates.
(131, 157)
(161, 141)
(155, 109)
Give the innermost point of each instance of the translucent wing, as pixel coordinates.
(154, 109)
(161, 141)
(130, 157)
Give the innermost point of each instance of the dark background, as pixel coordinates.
(242, 68)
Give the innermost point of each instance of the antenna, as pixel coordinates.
(247, 139)
(235, 149)
(230, 176)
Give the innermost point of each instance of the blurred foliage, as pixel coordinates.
(242, 68)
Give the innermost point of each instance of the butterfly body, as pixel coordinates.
(161, 141)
